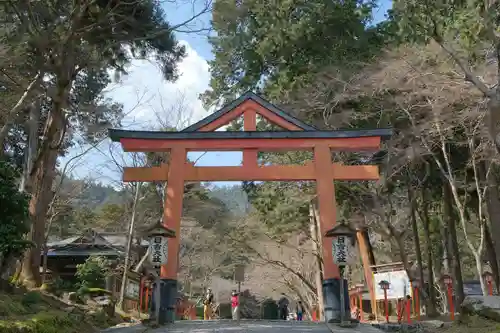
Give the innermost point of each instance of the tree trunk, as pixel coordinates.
(38, 207)
(490, 250)
(43, 174)
(416, 236)
(317, 253)
(31, 147)
(11, 116)
(129, 245)
(450, 218)
(431, 301)
(479, 268)
(493, 227)
(447, 252)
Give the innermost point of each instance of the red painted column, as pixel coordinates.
(327, 206)
(399, 312)
(417, 302)
(147, 299)
(408, 310)
(250, 124)
(450, 301)
(141, 292)
(172, 215)
(368, 272)
(386, 304)
(448, 281)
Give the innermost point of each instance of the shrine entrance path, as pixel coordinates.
(245, 326)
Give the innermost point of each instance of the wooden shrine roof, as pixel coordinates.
(117, 134)
(242, 99)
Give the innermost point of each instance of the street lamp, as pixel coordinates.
(343, 240)
(385, 285)
(164, 299)
(448, 281)
(415, 283)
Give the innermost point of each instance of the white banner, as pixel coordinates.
(342, 250)
(399, 287)
(158, 252)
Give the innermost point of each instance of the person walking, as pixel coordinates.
(235, 305)
(283, 307)
(300, 311)
(207, 305)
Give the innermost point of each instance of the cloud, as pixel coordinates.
(150, 102)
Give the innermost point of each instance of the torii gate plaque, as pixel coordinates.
(296, 136)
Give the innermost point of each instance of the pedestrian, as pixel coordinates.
(300, 311)
(207, 305)
(283, 307)
(235, 305)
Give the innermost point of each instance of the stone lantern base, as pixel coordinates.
(168, 298)
(331, 297)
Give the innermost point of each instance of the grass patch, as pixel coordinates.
(43, 322)
(31, 312)
(472, 324)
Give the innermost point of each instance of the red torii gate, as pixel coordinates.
(297, 136)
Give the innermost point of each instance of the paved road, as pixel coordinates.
(249, 326)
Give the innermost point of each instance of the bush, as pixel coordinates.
(249, 306)
(199, 312)
(14, 217)
(93, 273)
(9, 306)
(31, 298)
(225, 311)
(59, 286)
(269, 309)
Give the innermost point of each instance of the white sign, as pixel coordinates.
(132, 290)
(341, 250)
(399, 287)
(158, 251)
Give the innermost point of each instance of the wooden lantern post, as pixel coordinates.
(408, 309)
(488, 278)
(352, 297)
(448, 281)
(147, 287)
(359, 290)
(416, 296)
(385, 285)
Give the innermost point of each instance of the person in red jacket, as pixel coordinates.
(235, 305)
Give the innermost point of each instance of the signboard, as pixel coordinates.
(239, 273)
(399, 286)
(473, 288)
(158, 251)
(132, 289)
(341, 250)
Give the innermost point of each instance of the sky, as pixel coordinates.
(151, 103)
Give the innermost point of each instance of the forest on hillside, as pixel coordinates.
(430, 71)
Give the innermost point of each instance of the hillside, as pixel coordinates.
(37, 312)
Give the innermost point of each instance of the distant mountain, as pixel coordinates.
(233, 197)
(94, 196)
(90, 194)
